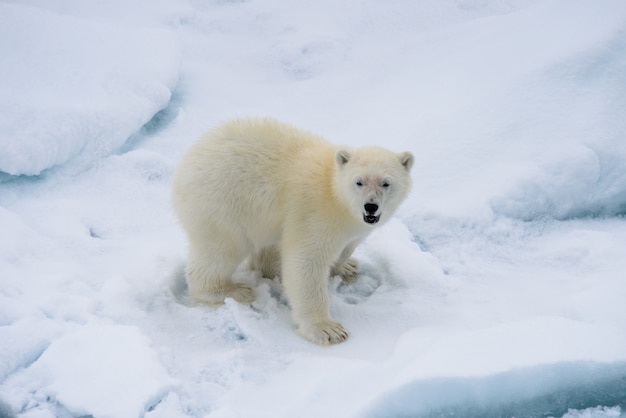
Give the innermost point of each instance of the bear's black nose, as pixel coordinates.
(371, 208)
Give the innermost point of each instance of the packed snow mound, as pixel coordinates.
(525, 126)
(76, 87)
(578, 164)
(95, 359)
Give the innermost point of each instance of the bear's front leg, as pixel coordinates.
(305, 278)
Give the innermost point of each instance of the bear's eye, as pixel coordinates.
(386, 185)
(359, 183)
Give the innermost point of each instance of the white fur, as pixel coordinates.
(290, 202)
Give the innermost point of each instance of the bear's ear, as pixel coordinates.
(342, 157)
(406, 159)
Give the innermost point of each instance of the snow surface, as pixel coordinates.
(497, 291)
(75, 87)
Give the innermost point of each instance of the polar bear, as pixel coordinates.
(291, 203)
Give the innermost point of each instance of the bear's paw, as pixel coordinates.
(324, 333)
(239, 292)
(348, 271)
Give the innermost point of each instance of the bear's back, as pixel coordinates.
(255, 170)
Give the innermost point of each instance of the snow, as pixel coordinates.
(536, 391)
(497, 290)
(102, 359)
(76, 87)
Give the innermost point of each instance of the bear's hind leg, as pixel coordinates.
(267, 261)
(209, 275)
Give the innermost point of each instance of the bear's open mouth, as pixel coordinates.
(371, 219)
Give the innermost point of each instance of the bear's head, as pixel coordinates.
(373, 181)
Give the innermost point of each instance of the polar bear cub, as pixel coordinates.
(291, 203)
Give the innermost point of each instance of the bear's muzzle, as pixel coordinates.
(370, 215)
